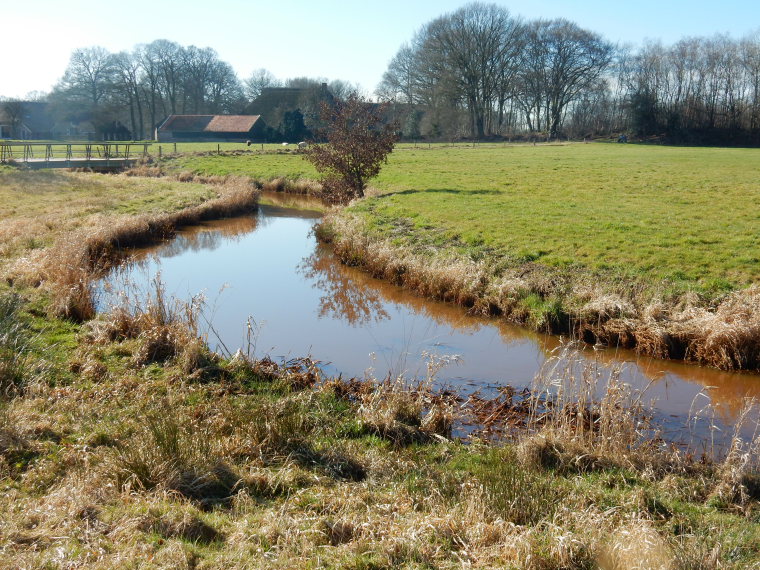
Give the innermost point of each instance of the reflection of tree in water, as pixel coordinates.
(342, 296)
(208, 236)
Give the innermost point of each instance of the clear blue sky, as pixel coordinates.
(335, 39)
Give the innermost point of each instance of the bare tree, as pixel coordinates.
(168, 57)
(400, 81)
(568, 61)
(198, 66)
(150, 82)
(749, 52)
(88, 76)
(224, 92)
(358, 143)
(127, 84)
(475, 50)
(13, 110)
(341, 89)
(259, 80)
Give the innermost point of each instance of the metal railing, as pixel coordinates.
(79, 153)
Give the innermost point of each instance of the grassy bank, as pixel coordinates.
(651, 213)
(634, 246)
(125, 443)
(262, 466)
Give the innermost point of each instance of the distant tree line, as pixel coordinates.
(479, 72)
(131, 92)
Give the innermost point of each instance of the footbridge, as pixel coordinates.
(103, 156)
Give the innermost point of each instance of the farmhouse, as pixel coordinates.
(217, 128)
(291, 112)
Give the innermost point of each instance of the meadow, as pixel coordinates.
(271, 465)
(683, 214)
(646, 247)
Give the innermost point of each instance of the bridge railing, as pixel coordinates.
(79, 152)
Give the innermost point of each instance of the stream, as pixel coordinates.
(269, 270)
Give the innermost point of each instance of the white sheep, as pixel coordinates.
(303, 144)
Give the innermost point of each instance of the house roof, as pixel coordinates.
(209, 123)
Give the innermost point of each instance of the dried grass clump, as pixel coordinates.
(186, 176)
(603, 307)
(14, 445)
(145, 169)
(182, 524)
(302, 186)
(728, 337)
(275, 185)
(575, 430)
(636, 546)
(87, 365)
(400, 411)
(172, 453)
(738, 477)
(191, 451)
(549, 450)
(338, 532)
(165, 329)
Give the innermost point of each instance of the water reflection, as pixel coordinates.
(340, 296)
(307, 303)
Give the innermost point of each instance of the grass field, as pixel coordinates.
(36, 208)
(650, 247)
(125, 443)
(688, 215)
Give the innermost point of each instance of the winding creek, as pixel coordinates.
(302, 301)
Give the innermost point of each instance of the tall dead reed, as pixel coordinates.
(583, 417)
(165, 329)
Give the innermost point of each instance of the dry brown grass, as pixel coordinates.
(724, 335)
(582, 419)
(71, 263)
(636, 546)
(277, 184)
(225, 483)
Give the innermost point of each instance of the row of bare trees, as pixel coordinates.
(697, 90)
(138, 88)
(142, 86)
(480, 72)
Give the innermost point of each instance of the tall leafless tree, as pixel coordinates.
(259, 80)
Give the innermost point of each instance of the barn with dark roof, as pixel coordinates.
(207, 128)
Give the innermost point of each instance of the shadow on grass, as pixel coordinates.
(441, 191)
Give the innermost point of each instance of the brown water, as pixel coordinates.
(302, 301)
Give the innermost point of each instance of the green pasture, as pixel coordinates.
(17, 150)
(689, 215)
